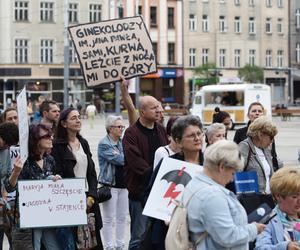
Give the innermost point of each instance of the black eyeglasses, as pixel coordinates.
(119, 127)
(46, 136)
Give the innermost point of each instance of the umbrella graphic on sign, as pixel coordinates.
(175, 177)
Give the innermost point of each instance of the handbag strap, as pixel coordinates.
(248, 157)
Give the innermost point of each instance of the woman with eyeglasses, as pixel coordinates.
(111, 163)
(74, 160)
(38, 166)
(187, 133)
(255, 150)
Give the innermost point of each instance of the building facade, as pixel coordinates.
(232, 34)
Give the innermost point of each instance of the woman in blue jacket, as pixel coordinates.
(283, 231)
(111, 162)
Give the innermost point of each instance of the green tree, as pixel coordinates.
(251, 73)
(207, 71)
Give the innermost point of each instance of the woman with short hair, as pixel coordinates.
(255, 149)
(215, 132)
(111, 163)
(213, 209)
(283, 231)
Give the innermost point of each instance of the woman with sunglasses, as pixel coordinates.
(38, 166)
(111, 162)
(74, 160)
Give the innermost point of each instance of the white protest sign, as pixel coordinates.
(23, 124)
(45, 203)
(168, 187)
(110, 49)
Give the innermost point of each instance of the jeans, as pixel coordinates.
(47, 236)
(137, 224)
(115, 208)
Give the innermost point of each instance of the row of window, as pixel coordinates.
(46, 51)
(47, 12)
(237, 24)
(237, 53)
(250, 2)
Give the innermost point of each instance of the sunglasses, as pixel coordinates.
(46, 136)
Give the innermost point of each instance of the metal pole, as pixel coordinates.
(66, 55)
(137, 79)
(117, 98)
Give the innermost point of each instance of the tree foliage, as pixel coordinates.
(207, 71)
(251, 74)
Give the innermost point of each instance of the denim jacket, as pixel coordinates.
(216, 210)
(272, 238)
(110, 154)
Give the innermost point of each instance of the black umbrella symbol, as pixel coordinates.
(175, 177)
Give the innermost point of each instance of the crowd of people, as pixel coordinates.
(129, 161)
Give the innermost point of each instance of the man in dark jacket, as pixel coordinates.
(140, 143)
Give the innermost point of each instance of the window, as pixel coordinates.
(204, 56)
(95, 12)
(237, 58)
(280, 3)
(251, 2)
(46, 51)
(21, 51)
(268, 25)
(171, 18)
(279, 25)
(237, 24)
(252, 57)
(154, 46)
(268, 58)
(297, 14)
(46, 12)
(279, 58)
(21, 10)
(269, 3)
(205, 23)
(222, 27)
(73, 12)
(252, 29)
(171, 53)
(192, 22)
(72, 54)
(140, 10)
(298, 53)
(192, 57)
(120, 11)
(153, 16)
(222, 56)
(237, 2)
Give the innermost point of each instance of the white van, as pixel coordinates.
(232, 98)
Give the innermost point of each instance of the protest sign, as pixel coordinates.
(110, 49)
(45, 203)
(168, 187)
(23, 124)
(246, 182)
(14, 152)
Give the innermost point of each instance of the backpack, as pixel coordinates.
(178, 234)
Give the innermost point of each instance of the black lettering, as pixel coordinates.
(126, 59)
(92, 76)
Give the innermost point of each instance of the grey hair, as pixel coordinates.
(223, 152)
(111, 120)
(182, 123)
(214, 128)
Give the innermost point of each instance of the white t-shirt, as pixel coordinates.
(161, 152)
(80, 168)
(266, 167)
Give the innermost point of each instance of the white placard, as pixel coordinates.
(113, 48)
(14, 152)
(168, 187)
(23, 124)
(45, 203)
